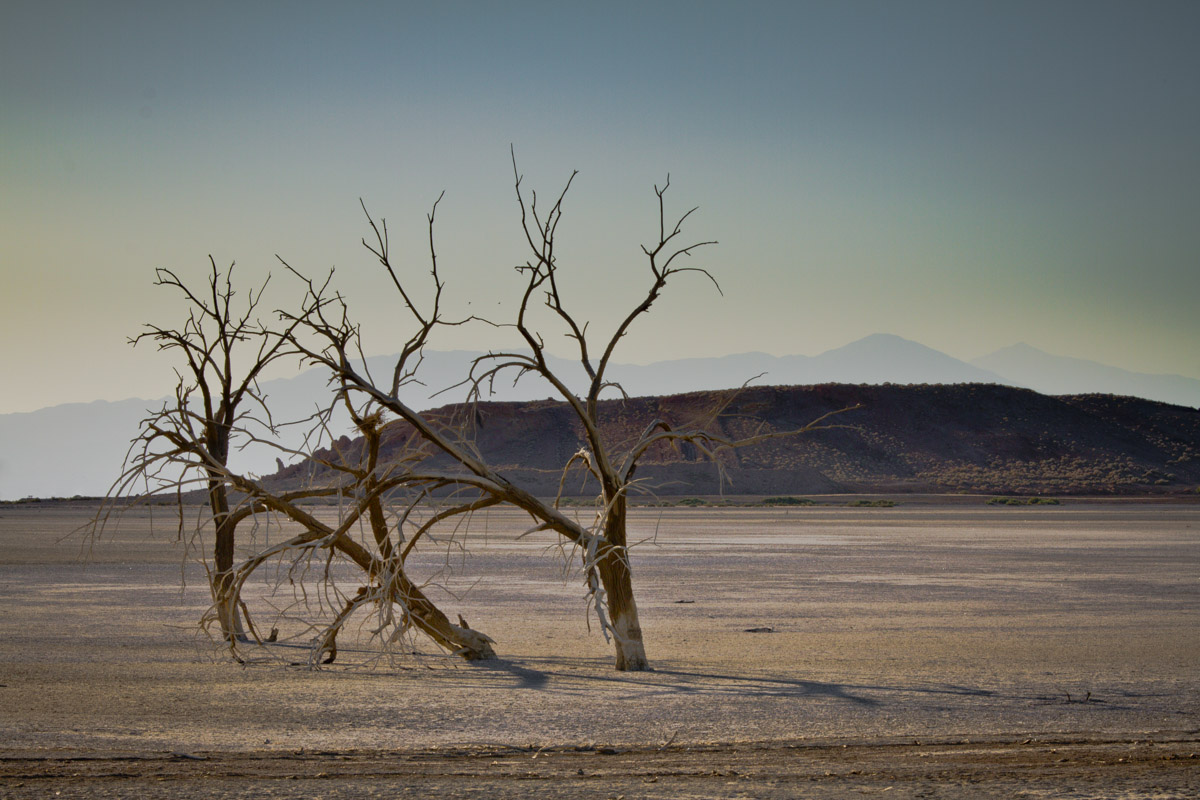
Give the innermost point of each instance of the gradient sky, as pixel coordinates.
(968, 175)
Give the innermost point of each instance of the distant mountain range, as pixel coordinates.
(1023, 365)
(77, 448)
(879, 358)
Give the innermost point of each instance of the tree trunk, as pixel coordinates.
(422, 614)
(429, 619)
(613, 566)
(222, 577)
(419, 609)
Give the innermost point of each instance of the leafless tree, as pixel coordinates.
(185, 446)
(438, 477)
(366, 489)
(324, 331)
(224, 348)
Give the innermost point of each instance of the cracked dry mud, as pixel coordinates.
(930, 650)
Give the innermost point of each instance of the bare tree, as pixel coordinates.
(438, 477)
(224, 348)
(186, 445)
(366, 489)
(602, 543)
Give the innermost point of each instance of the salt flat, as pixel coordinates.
(925, 622)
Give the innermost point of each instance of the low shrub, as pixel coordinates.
(789, 501)
(1022, 501)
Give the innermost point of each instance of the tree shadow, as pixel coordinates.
(526, 678)
(582, 676)
(567, 675)
(764, 687)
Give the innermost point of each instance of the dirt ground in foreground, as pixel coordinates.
(1029, 769)
(930, 651)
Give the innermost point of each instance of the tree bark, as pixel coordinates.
(217, 440)
(222, 577)
(429, 619)
(615, 575)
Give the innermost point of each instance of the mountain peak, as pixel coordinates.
(882, 340)
(1018, 349)
(887, 358)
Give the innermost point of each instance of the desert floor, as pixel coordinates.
(934, 649)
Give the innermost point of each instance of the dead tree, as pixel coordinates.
(386, 584)
(224, 348)
(185, 447)
(602, 544)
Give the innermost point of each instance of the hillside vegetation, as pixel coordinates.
(904, 438)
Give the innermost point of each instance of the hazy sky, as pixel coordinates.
(968, 175)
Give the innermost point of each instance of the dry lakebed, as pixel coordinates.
(939, 648)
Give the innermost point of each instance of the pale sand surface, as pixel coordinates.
(1070, 626)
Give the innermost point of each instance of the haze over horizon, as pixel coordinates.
(889, 358)
(967, 176)
(76, 448)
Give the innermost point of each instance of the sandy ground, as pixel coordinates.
(927, 650)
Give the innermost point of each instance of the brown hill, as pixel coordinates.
(904, 438)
